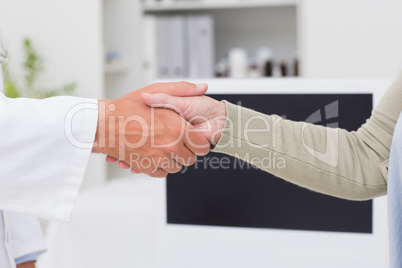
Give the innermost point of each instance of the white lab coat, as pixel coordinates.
(44, 149)
(25, 235)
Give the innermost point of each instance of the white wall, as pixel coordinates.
(68, 35)
(122, 29)
(358, 38)
(123, 32)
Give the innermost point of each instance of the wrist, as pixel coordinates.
(96, 147)
(105, 112)
(220, 122)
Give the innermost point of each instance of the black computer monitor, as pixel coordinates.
(221, 218)
(220, 190)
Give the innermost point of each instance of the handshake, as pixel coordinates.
(160, 128)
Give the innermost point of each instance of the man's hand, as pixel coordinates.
(204, 113)
(151, 141)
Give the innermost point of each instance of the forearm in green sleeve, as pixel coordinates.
(327, 160)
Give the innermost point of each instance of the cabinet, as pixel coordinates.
(237, 23)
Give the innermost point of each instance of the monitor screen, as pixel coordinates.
(240, 195)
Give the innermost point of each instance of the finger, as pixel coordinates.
(166, 101)
(134, 171)
(157, 173)
(173, 167)
(110, 159)
(196, 142)
(160, 173)
(180, 89)
(181, 105)
(186, 157)
(123, 165)
(150, 170)
(167, 163)
(154, 173)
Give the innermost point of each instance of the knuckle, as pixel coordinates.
(161, 174)
(178, 130)
(182, 84)
(185, 84)
(202, 151)
(174, 149)
(191, 161)
(176, 169)
(205, 151)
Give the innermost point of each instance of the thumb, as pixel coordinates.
(179, 89)
(166, 101)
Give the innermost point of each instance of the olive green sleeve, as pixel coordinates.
(350, 165)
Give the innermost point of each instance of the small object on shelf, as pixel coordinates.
(296, 71)
(276, 71)
(283, 67)
(264, 61)
(171, 47)
(253, 71)
(268, 68)
(115, 68)
(200, 45)
(221, 69)
(113, 57)
(184, 46)
(238, 63)
(114, 63)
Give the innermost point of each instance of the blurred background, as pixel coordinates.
(110, 47)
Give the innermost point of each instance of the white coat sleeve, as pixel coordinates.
(44, 149)
(26, 236)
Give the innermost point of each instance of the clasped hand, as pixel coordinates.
(159, 129)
